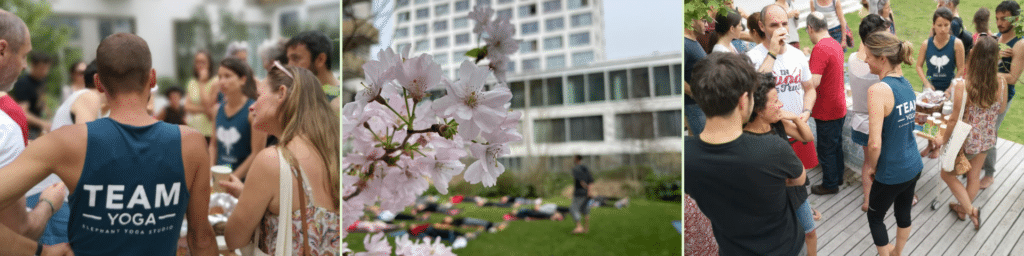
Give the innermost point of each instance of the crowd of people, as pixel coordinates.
(105, 174)
(761, 113)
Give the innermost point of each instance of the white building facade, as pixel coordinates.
(556, 34)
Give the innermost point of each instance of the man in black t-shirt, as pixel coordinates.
(28, 89)
(739, 180)
(581, 196)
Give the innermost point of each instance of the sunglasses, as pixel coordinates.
(278, 65)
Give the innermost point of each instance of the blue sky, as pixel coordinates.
(632, 28)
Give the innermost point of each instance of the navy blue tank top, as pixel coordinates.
(941, 63)
(1004, 67)
(132, 196)
(234, 141)
(899, 160)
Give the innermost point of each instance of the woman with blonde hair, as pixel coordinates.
(986, 98)
(891, 153)
(287, 106)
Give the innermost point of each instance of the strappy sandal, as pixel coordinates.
(976, 218)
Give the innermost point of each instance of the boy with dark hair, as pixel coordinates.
(28, 89)
(174, 113)
(312, 50)
(753, 215)
(143, 177)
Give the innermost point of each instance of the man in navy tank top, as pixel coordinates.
(134, 178)
(1010, 67)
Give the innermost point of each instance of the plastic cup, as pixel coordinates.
(219, 173)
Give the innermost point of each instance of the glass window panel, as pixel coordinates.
(401, 33)
(462, 39)
(552, 6)
(422, 45)
(537, 93)
(662, 81)
(617, 81)
(556, 62)
(530, 28)
(440, 26)
(518, 89)
(582, 58)
(553, 43)
(462, 5)
(505, 13)
(579, 20)
(554, 91)
(589, 128)
(577, 89)
(576, 4)
(595, 87)
(640, 86)
(420, 30)
(531, 65)
(554, 24)
(441, 9)
(423, 13)
(579, 39)
(669, 123)
(527, 10)
(678, 79)
(460, 22)
(635, 126)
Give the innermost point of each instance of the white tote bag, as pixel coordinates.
(957, 138)
(284, 217)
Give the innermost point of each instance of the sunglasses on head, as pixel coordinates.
(278, 65)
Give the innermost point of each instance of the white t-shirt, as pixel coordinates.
(12, 142)
(722, 48)
(790, 71)
(860, 79)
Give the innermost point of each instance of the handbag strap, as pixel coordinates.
(284, 216)
(288, 158)
(963, 101)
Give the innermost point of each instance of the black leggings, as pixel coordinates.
(900, 196)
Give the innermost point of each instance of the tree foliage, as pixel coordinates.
(698, 10)
(48, 36)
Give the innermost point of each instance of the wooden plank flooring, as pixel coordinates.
(843, 229)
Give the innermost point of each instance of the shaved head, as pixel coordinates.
(773, 17)
(123, 63)
(12, 29)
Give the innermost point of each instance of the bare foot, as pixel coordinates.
(960, 212)
(986, 182)
(935, 154)
(578, 230)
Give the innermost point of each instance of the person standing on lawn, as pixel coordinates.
(582, 181)
(829, 113)
(943, 53)
(1009, 68)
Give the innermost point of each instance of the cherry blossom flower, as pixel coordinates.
(482, 15)
(417, 75)
(376, 245)
(473, 108)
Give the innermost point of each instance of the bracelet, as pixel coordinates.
(772, 55)
(39, 248)
(52, 209)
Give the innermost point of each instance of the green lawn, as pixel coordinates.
(643, 228)
(913, 22)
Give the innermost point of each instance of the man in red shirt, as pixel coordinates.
(829, 110)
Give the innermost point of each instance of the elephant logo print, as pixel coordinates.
(228, 137)
(939, 62)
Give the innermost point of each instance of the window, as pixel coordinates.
(635, 126)
(527, 11)
(422, 1)
(579, 20)
(662, 81)
(536, 91)
(554, 24)
(514, 164)
(588, 128)
(460, 22)
(530, 28)
(420, 30)
(556, 62)
(462, 39)
(110, 26)
(552, 6)
(553, 43)
(617, 81)
(577, 89)
(595, 87)
(531, 65)
(528, 47)
(579, 39)
(288, 22)
(549, 130)
(441, 42)
(423, 13)
(505, 14)
(677, 71)
(504, 1)
(459, 57)
(518, 93)
(462, 5)
(483, 2)
(510, 67)
(554, 91)
(441, 58)
(640, 86)
(582, 58)
(401, 32)
(403, 17)
(440, 26)
(441, 9)
(669, 123)
(576, 4)
(422, 45)
(401, 3)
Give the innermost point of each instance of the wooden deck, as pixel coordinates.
(843, 229)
